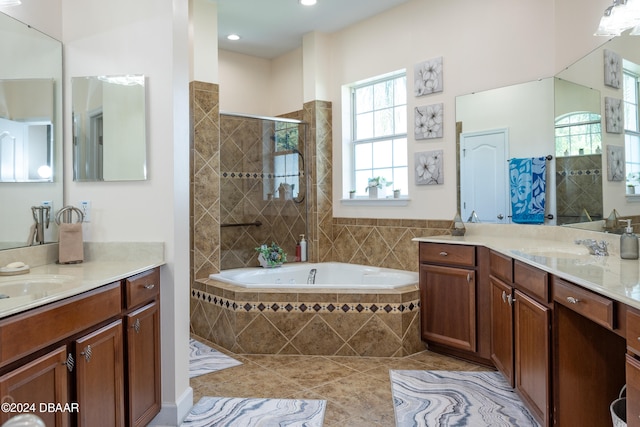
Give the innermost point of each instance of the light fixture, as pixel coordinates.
(233, 37)
(7, 3)
(307, 2)
(621, 16)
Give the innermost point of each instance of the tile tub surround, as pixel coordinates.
(330, 322)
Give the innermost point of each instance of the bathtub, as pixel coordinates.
(329, 275)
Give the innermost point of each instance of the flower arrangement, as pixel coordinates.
(378, 182)
(271, 255)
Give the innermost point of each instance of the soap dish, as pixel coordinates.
(14, 271)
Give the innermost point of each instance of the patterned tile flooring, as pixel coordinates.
(357, 389)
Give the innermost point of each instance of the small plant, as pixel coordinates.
(378, 181)
(272, 255)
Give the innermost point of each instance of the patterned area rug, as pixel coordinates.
(455, 398)
(239, 412)
(204, 359)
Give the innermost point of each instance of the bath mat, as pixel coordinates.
(240, 412)
(204, 359)
(456, 398)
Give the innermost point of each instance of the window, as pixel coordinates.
(379, 133)
(631, 127)
(578, 133)
(286, 159)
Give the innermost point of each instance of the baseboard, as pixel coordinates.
(171, 415)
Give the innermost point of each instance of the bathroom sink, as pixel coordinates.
(565, 252)
(34, 286)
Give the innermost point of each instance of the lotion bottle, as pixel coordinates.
(628, 242)
(303, 248)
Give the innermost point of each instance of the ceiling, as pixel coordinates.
(270, 28)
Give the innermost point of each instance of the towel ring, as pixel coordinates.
(68, 212)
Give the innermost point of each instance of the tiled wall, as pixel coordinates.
(246, 146)
(576, 177)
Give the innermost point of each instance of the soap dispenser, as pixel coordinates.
(628, 242)
(303, 248)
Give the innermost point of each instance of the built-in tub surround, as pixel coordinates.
(338, 322)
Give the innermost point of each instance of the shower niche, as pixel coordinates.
(263, 186)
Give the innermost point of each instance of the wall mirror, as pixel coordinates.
(109, 128)
(30, 129)
(562, 116)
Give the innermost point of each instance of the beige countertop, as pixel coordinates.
(552, 249)
(53, 282)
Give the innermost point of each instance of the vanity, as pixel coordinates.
(80, 343)
(561, 325)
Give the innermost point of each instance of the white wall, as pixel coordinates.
(147, 37)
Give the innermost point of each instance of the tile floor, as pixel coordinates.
(357, 389)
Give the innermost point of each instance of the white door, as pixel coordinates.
(484, 175)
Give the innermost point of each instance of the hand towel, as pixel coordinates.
(70, 249)
(528, 189)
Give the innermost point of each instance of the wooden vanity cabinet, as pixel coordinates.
(76, 353)
(632, 360)
(451, 318)
(501, 282)
(589, 362)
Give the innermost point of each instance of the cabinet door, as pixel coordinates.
(100, 376)
(633, 391)
(143, 364)
(532, 355)
(502, 328)
(42, 381)
(448, 301)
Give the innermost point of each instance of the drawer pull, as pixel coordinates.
(69, 363)
(511, 300)
(443, 253)
(572, 300)
(150, 286)
(504, 296)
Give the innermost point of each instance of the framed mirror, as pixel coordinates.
(30, 130)
(109, 128)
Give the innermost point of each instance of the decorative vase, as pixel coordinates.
(263, 262)
(373, 192)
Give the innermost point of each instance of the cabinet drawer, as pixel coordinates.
(31, 331)
(142, 287)
(633, 331)
(442, 253)
(501, 266)
(592, 306)
(535, 282)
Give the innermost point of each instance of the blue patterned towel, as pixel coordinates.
(528, 185)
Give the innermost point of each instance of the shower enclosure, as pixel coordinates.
(263, 186)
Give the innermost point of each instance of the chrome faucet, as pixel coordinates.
(311, 279)
(595, 248)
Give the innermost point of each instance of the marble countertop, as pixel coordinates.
(53, 282)
(552, 249)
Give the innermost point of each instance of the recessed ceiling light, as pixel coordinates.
(307, 2)
(233, 37)
(7, 3)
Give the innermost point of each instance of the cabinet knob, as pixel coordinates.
(150, 286)
(572, 300)
(87, 353)
(511, 300)
(504, 296)
(443, 253)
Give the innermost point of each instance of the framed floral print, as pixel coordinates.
(428, 77)
(615, 163)
(613, 115)
(612, 68)
(428, 121)
(428, 167)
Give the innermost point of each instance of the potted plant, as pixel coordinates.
(376, 184)
(396, 193)
(271, 255)
(633, 179)
(352, 194)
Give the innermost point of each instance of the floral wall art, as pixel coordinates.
(613, 114)
(615, 163)
(612, 68)
(428, 167)
(428, 77)
(428, 120)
